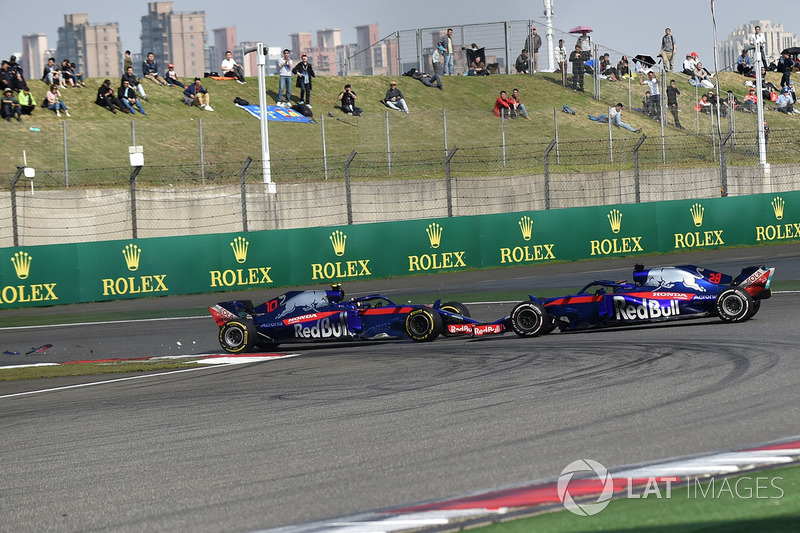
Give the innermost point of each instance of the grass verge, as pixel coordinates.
(88, 369)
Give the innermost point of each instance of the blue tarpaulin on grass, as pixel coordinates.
(276, 113)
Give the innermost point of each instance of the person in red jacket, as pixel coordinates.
(505, 107)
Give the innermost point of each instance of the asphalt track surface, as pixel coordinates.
(345, 428)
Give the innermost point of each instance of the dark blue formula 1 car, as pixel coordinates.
(325, 315)
(656, 294)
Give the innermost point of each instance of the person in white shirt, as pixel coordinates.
(285, 66)
(615, 114)
(231, 69)
(655, 94)
(758, 40)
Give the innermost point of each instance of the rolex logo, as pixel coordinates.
(338, 239)
(777, 206)
(132, 253)
(434, 232)
(22, 264)
(697, 211)
(615, 219)
(240, 245)
(526, 226)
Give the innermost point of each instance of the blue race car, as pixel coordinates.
(655, 295)
(325, 315)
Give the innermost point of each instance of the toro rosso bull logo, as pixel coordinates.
(323, 329)
(666, 278)
(648, 309)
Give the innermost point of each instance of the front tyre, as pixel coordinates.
(237, 336)
(529, 319)
(423, 325)
(452, 307)
(734, 305)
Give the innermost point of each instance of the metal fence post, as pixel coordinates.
(448, 181)
(713, 140)
(244, 192)
(444, 126)
(348, 197)
(14, 220)
(555, 122)
(388, 146)
(324, 148)
(547, 174)
(503, 135)
(610, 137)
(135, 173)
(636, 183)
(723, 165)
(66, 159)
(202, 158)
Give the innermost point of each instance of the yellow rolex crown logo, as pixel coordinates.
(615, 219)
(22, 264)
(338, 240)
(434, 232)
(240, 246)
(132, 253)
(697, 211)
(526, 226)
(777, 206)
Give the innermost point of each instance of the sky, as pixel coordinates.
(625, 25)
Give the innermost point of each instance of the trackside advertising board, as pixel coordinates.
(136, 268)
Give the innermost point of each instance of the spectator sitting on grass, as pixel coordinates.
(196, 95)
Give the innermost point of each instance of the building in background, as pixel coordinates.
(249, 61)
(224, 39)
(374, 57)
(776, 40)
(178, 38)
(34, 55)
(94, 48)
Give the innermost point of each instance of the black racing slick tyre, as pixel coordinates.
(529, 319)
(452, 307)
(237, 336)
(423, 325)
(734, 305)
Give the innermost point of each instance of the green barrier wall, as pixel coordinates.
(113, 270)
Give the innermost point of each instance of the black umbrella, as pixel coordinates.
(792, 51)
(645, 60)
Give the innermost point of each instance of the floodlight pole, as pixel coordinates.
(261, 61)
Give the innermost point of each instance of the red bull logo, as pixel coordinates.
(647, 310)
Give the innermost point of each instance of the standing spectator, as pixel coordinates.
(585, 44)
(9, 106)
(436, 58)
(785, 66)
(446, 43)
(785, 103)
(134, 82)
(285, 79)
(668, 49)
(106, 98)
(127, 62)
(231, 68)
(26, 101)
(532, 44)
(576, 58)
(744, 64)
(172, 77)
(655, 94)
(127, 95)
(758, 40)
(503, 107)
(304, 72)
(150, 70)
(394, 98)
(348, 99)
(615, 115)
(54, 103)
(51, 73)
(521, 109)
(522, 64)
(195, 94)
(561, 58)
(672, 102)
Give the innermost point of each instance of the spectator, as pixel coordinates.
(704, 106)
(285, 79)
(766, 131)
(532, 44)
(623, 68)
(127, 95)
(585, 44)
(655, 94)
(134, 82)
(785, 66)
(106, 98)
(576, 58)
(668, 49)
(767, 87)
(503, 107)
(701, 76)
(67, 74)
(172, 77)
(522, 64)
(196, 95)
(436, 58)
(150, 70)
(19, 76)
(615, 115)
(446, 43)
(689, 64)
(758, 40)
(672, 102)
(716, 102)
(76, 75)
(304, 72)
(744, 65)
(127, 62)
(561, 58)
(607, 70)
(647, 104)
(394, 98)
(51, 73)
(6, 77)
(231, 68)
(54, 103)
(785, 103)
(348, 99)
(26, 101)
(520, 107)
(427, 79)
(750, 101)
(9, 106)
(478, 67)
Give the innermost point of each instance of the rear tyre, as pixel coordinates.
(529, 319)
(423, 325)
(237, 336)
(734, 305)
(452, 307)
